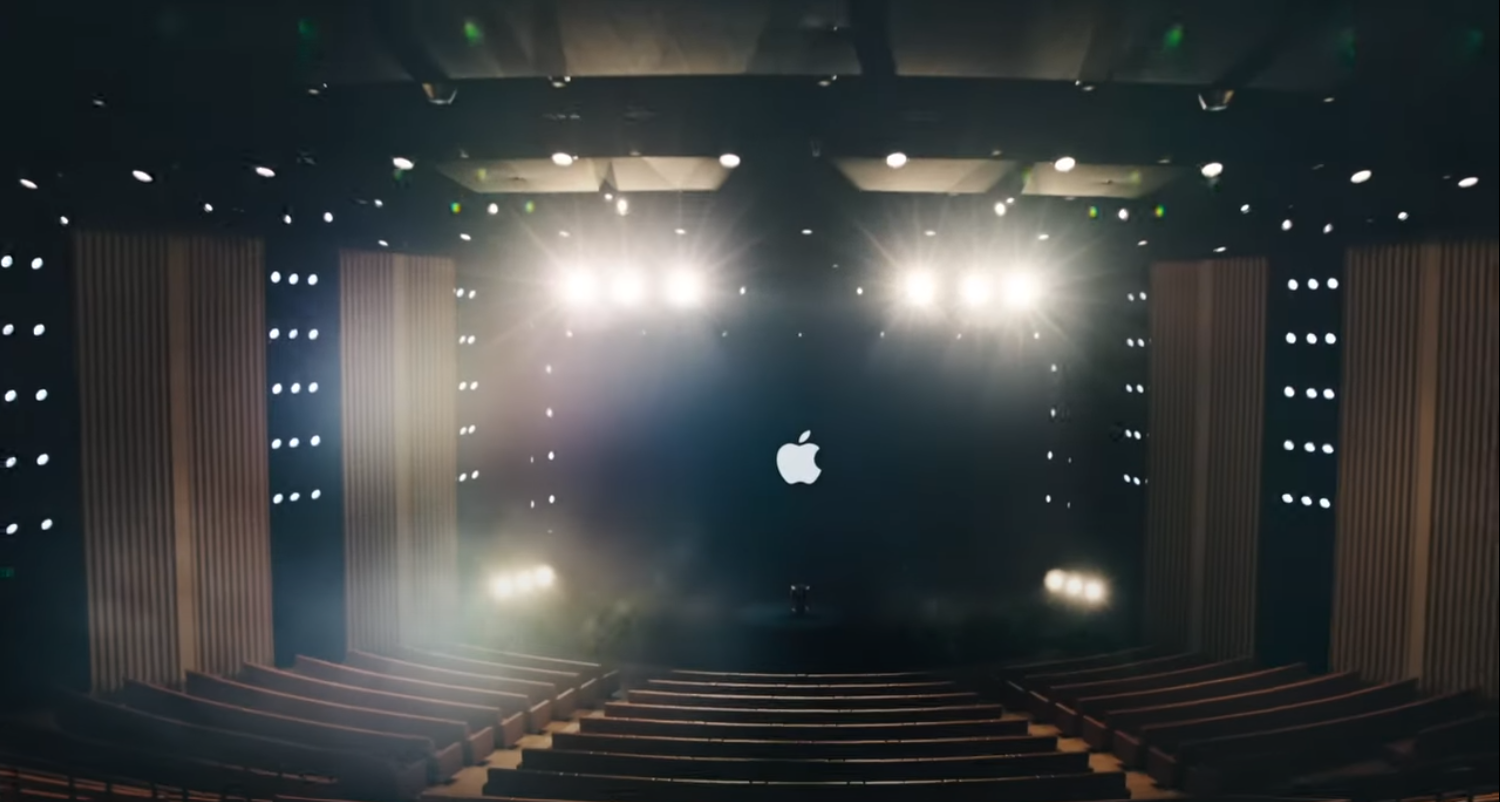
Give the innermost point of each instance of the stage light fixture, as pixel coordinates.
(896, 160)
(580, 288)
(1093, 591)
(1065, 164)
(1073, 587)
(1212, 170)
(1360, 176)
(1055, 580)
(976, 290)
(544, 576)
(685, 289)
(729, 161)
(403, 163)
(1020, 291)
(1333, 284)
(919, 289)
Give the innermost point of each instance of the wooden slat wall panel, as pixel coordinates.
(1169, 504)
(400, 462)
(1378, 461)
(171, 360)
(1237, 348)
(1207, 417)
(1461, 639)
(1415, 587)
(231, 516)
(126, 457)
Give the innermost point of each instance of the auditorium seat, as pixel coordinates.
(538, 694)
(794, 699)
(904, 715)
(1011, 678)
(1130, 744)
(819, 750)
(542, 785)
(1097, 711)
(1039, 686)
(1065, 698)
(802, 689)
(567, 683)
(1166, 742)
(510, 708)
(602, 682)
(1256, 759)
(984, 727)
(481, 722)
(805, 770)
(803, 679)
(402, 750)
(358, 775)
(449, 737)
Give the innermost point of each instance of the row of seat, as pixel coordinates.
(378, 727)
(1212, 726)
(869, 737)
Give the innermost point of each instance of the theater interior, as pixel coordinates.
(749, 400)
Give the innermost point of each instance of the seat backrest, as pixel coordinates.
(1208, 689)
(333, 672)
(1290, 693)
(272, 679)
(1365, 700)
(489, 668)
(802, 770)
(1153, 665)
(1147, 682)
(532, 689)
(810, 750)
(804, 732)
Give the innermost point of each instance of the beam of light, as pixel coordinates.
(918, 288)
(684, 289)
(975, 290)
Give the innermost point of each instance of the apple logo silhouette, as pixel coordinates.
(797, 462)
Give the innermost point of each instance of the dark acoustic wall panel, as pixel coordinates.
(397, 332)
(1207, 376)
(1415, 558)
(171, 390)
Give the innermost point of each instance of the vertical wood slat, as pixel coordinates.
(177, 578)
(399, 372)
(1415, 589)
(1460, 644)
(1207, 418)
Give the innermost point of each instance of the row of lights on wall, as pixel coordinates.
(1312, 392)
(293, 442)
(295, 496)
(1075, 587)
(1307, 501)
(13, 396)
(1312, 339)
(277, 334)
(11, 461)
(9, 329)
(522, 584)
(1310, 447)
(1312, 284)
(462, 294)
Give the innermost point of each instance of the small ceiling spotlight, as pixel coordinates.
(1055, 580)
(1065, 164)
(28, 183)
(896, 160)
(1328, 228)
(494, 208)
(729, 161)
(1215, 99)
(1212, 170)
(1001, 209)
(1360, 177)
(1123, 214)
(208, 208)
(562, 159)
(622, 207)
(1403, 216)
(403, 163)
(1463, 183)
(1245, 209)
(328, 217)
(265, 172)
(142, 176)
(1286, 225)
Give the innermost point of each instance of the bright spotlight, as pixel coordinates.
(501, 587)
(919, 289)
(1093, 591)
(525, 582)
(684, 289)
(1073, 587)
(544, 576)
(976, 290)
(1001, 209)
(896, 160)
(1468, 182)
(627, 289)
(1360, 177)
(1055, 580)
(403, 163)
(562, 159)
(729, 161)
(1212, 170)
(1020, 291)
(1065, 164)
(580, 289)
(142, 176)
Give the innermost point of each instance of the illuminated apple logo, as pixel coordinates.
(798, 462)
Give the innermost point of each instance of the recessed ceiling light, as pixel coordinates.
(403, 163)
(1065, 164)
(1212, 170)
(896, 160)
(208, 208)
(1245, 209)
(562, 159)
(1360, 177)
(1328, 228)
(1286, 225)
(729, 160)
(328, 217)
(1402, 216)
(1124, 214)
(265, 172)
(28, 183)
(1141, 244)
(494, 208)
(382, 243)
(1001, 209)
(1220, 249)
(142, 176)
(465, 237)
(1466, 183)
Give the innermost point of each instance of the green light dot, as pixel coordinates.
(1160, 211)
(529, 207)
(455, 207)
(473, 34)
(1174, 36)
